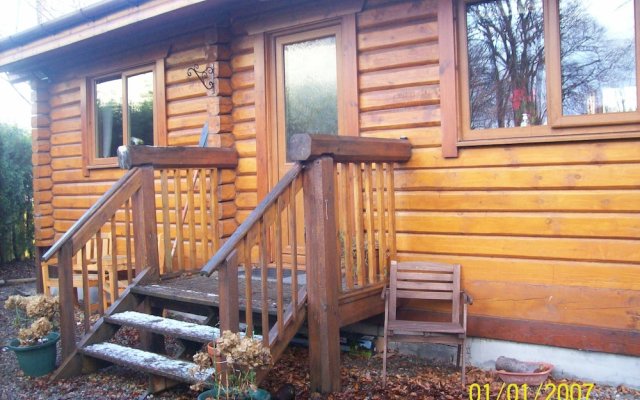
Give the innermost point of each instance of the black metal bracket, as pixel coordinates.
(206, 76)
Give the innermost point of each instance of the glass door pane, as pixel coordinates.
(311, 87)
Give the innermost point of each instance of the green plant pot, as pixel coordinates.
(39, 359)
(258, 394)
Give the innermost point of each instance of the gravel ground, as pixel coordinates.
(409, 377)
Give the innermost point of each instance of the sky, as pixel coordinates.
(16, 16)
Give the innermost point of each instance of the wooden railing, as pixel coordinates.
(125, 221)
(259, 242)
(349, 215)
(349, 237)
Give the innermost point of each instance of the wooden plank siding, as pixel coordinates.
(244, 124)
(63, 192)
(545, 233)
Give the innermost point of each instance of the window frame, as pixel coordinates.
(559, 127)
(90, 158)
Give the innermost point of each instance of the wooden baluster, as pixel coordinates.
(85, 289)
(391, 211)
(264, 269)
(179, 243)
(278, 254)
(166, 222)
(127, 235)
(293, 239)
(369, 223)
(113, 273)
(101, 293)
(204, 224)
(382, 231)
(191, 219)
(344, 224)
(248, 271)
(228, 291)
(357, 205)
(65, 292)
(215, 214)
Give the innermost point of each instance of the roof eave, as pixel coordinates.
(13, 59)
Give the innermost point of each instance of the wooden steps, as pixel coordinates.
(165, 326)
(152, 363)
(176, 294)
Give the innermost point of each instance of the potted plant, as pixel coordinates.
(237, 359)
(36, 320)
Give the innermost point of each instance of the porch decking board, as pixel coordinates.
(204, 291)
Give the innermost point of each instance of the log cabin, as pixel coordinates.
(454, 131)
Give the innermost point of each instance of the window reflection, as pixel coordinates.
(140, 108)
(310, 85)
(506, 63)
(597, 56)
(108, 117)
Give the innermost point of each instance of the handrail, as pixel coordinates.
(237, 236)
(123, 184)
(305, 147)
(176, 157)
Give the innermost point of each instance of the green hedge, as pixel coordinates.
(16, 194)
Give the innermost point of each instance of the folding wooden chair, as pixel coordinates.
(426, 281)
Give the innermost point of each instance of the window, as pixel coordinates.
(307, 76)
(122, 109)
(539, 70)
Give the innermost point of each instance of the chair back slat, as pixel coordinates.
(425, 286)
(425, 267)
(419, 276)
(424, 281)
(413, 294)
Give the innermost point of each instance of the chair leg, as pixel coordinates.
(384, 360)
(462, 357)
(458, 356)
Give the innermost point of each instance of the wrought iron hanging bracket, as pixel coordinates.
(206, 76)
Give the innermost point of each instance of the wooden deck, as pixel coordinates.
(200, 290)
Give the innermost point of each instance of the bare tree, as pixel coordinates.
(507, 62)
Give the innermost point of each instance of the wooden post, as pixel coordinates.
(228, 291)
(322, 275)
(65, 293)
(144, 223)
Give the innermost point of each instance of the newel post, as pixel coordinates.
(228, 292)
(322, 275)
(65, 296)
(145, 234)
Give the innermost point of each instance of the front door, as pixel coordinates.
(305, 91)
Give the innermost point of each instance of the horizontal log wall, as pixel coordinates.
(244, 124)
(547, 235)
(41, 159)
(62, 191)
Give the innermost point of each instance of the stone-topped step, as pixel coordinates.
(151, 363)
(165, 326)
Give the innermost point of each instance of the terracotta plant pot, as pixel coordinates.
(530, 378)
(216, 359)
